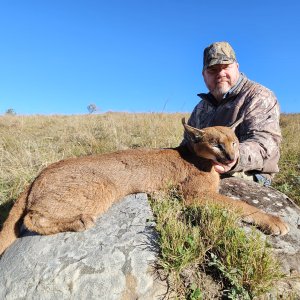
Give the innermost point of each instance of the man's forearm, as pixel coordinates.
(260, 155)
(250, 158)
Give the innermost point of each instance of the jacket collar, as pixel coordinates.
(230, 94)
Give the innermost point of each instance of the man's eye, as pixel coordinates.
(212, 71)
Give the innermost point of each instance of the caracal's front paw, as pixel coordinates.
(275, 225)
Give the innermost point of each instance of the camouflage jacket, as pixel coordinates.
(259, 133)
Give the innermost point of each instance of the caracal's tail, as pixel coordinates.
(11, 226)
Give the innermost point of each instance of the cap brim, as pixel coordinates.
(214, 62)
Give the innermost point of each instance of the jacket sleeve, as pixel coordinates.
(259, 134)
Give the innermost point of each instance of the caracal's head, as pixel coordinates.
(218, 143)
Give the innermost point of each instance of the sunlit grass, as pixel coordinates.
(207, 240)
(288, 179)
(29, 143)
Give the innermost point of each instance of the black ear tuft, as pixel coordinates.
(195, 134)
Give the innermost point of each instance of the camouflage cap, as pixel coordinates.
(218, 53)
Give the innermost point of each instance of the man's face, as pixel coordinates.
(219, 79)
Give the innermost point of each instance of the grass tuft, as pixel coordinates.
(207, 239)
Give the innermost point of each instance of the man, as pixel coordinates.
(233, 96)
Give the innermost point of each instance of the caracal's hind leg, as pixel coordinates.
(41, 224)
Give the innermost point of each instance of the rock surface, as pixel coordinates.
(113, 260)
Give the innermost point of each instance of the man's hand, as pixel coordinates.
(224, 168)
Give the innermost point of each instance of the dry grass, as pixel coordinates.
(29, 143)
(288, 180)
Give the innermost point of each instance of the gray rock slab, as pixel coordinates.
(112, 260)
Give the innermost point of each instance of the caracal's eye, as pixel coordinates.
(219, 147)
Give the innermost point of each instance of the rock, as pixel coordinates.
(286, 248)
(112, 260)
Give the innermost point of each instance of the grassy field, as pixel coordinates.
(30, 143)
(288, 179)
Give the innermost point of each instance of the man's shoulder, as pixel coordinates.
(258, 89)
(259, 98)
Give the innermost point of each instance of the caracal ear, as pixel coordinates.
(236, 123)
(195, 134)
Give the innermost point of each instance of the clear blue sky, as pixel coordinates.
(58, 56)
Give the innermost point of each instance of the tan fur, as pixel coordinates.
(69, 195)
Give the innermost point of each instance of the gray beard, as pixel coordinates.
(219, 92)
